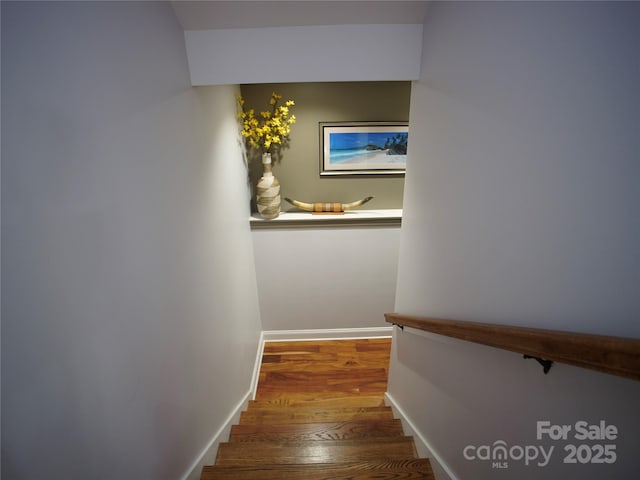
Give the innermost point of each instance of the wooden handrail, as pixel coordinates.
(612, 355)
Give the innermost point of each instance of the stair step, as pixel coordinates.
(419, 469)
(277, 415)
(316, 431)
(328, 451)
(313, 407)
(267, 395)
(380, 347)
(297, 361)
(302, 400)
(348, 380)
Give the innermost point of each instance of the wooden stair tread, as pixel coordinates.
(327, 451)
(296, 401)
(314, 416)
(303, 409)
(407, 469)
(335, 379)
(347, 430)
(329, 346)
(280, 363)
(309, 395)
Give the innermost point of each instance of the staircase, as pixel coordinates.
(319, 414)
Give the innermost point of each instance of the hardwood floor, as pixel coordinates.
(319, 414)
(294, 372)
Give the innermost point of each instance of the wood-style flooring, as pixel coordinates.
(319, 414)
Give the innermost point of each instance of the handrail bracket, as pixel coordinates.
(546, 364)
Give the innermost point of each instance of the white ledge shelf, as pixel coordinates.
(350, 218)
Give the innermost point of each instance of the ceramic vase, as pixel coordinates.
(268, 191)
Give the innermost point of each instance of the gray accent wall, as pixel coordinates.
(299, 169)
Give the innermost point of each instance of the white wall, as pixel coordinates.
(520, 208)
(314, 278)
(311, 53)
(129, 302)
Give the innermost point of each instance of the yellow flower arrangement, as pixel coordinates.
(269, 130)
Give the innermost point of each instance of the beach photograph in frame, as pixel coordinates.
(363, 148)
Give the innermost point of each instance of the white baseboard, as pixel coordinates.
(208, 455)
(256, 367)
(326, 334)
(441, 470)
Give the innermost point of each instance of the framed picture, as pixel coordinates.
(363, 148)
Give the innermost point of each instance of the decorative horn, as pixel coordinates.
(334, 207)
(303, 206)
(348, 206)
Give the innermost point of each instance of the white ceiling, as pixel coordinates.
(213, 14)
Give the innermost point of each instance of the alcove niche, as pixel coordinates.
(343, 72)
(346, 72)
(299, 168)
(318, 272)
